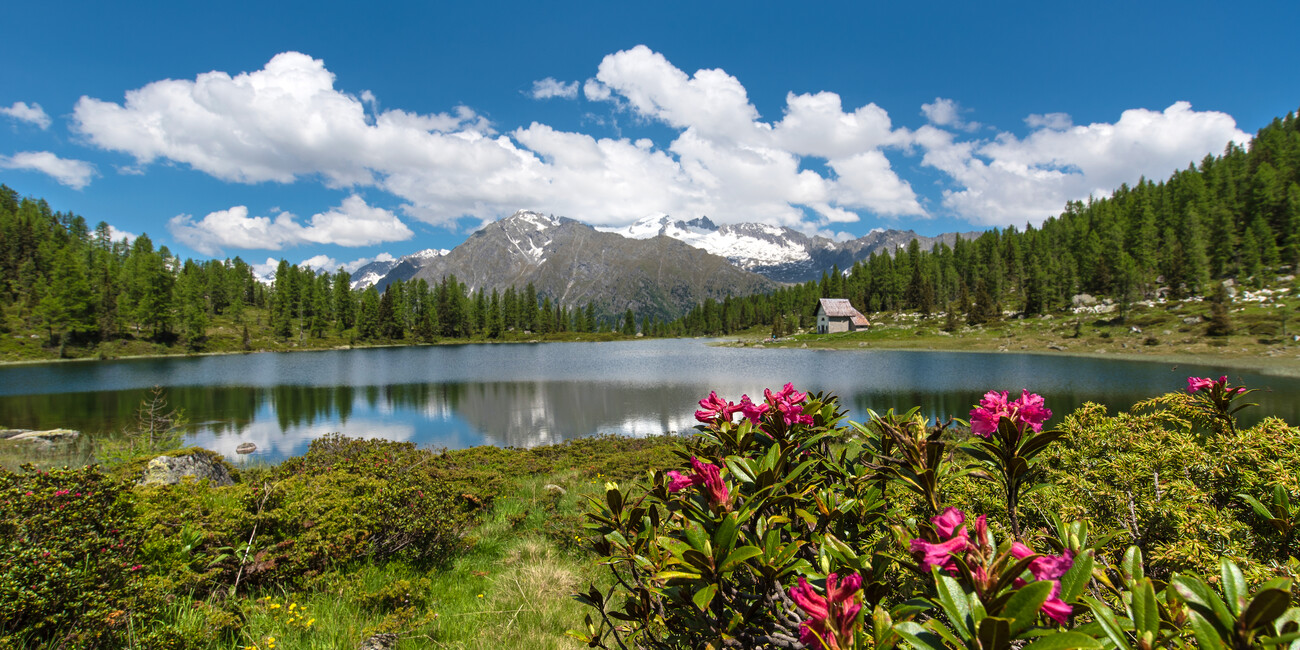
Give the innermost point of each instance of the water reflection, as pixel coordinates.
(526, 395)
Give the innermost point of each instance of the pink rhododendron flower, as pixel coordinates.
(831, 618)
(706, 475)
(1195, 384)
(793, 414)
(941, 554)
(947, 522)
(1048, 567)
(787, 395)
(715, 408)
(751, 410)
(714, 488)
(678, 481)
(949, 525)
(1026, 411)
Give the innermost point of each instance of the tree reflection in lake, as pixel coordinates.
(525, 395)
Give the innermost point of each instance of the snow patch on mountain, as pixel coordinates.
(536, 219)
(745, 245)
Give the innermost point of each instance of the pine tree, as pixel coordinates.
(1220, 323)
(368, 315)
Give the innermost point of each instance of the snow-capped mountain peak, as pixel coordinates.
(370, 274)
(537, 220)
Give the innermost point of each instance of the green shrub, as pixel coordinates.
(71, 572)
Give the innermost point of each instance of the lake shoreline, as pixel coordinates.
(1274, 366)
(336, 348)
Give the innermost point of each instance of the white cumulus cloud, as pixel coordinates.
(73, 173)
(353, 223)
(30, 113)
(549, 88)
(1010, 180)
(596, 91)
(320, 263)
(815, 164)
(947, 112)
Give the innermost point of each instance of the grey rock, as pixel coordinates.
(245, 448)
(1082, 300)
(383, 641)
(51, 436)
(169, 470)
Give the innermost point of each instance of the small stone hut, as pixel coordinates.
(837, 315)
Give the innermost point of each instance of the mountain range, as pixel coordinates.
(657, 266)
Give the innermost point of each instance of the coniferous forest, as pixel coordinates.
(74, 286)
(1236, 215)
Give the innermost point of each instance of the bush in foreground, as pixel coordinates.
(783, 527)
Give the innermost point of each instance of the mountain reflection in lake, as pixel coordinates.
(526, 395)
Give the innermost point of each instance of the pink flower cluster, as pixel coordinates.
(1195, 384)
(956, 541)
(715, 408)
(831, 618)
(706, 475)
(1026, 411)
(1047, 567)
(787, 402)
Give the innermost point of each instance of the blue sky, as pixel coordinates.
(337, 132)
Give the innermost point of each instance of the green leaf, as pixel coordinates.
(697, 539)
(1234, 586)
(677, 575)
(1022, 608)
(739, 555)
(739, 469)
(1258, 507)
(937, 626)
(1146, 613)
(1201, 600)
(614, 498)
(953, 600)
(1076, 580)
(1132, 564)
(725, 535)
(919, 637)
(995, 633)
(1109, 624)
(704, 597)
(1064, 641)
(1208, 636)
(1267, 605)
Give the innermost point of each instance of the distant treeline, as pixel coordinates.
(1233, 216)
(79, 286)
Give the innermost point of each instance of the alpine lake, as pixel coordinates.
(521, 395)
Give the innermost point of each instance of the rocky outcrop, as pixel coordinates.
(169, 470)
(52, 436)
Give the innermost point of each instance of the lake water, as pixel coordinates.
(530, 394)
